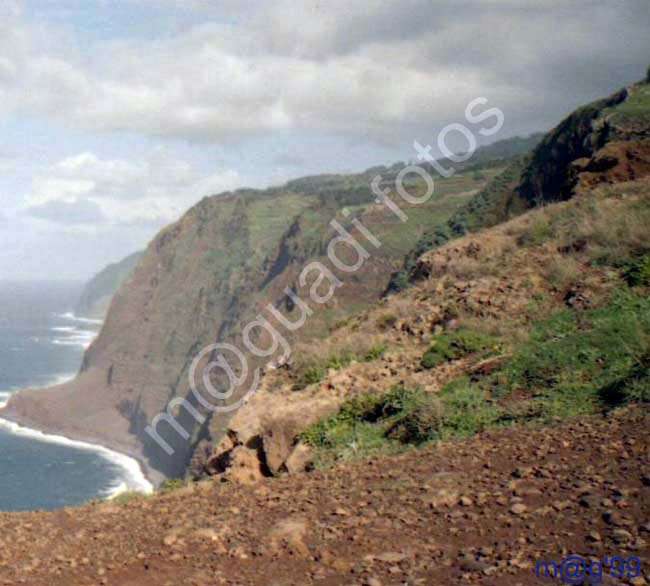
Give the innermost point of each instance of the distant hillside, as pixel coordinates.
(98, 292)
(603, 142)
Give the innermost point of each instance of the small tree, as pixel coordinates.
(647, 77)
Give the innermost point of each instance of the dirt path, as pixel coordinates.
(481, 511)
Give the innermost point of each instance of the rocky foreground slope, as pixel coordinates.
(483, 512)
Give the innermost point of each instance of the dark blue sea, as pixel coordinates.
(42, 343)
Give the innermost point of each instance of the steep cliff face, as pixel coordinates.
(200, 281)
(623, 117)
(98, 292)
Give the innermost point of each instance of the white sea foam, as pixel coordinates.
(131, 478)
(59, 379)
(84, 320)
(80, 338)
(75, 335)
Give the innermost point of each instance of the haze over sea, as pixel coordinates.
(42, 343)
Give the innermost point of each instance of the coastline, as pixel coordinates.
(133, 475)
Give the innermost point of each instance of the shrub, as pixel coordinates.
(172, 484)
(314, 371)
(310, 376)
(637, 273)
(127, 496)
(374, 353)
(456, 345)
(420, 423)
(561, 272)
(339, 360)
(466, 410)
(632, 387)
(402, 417)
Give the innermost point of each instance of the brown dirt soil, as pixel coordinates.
(480, 511)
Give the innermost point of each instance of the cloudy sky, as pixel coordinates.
(117, 115)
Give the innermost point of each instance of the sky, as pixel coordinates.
(116, 116)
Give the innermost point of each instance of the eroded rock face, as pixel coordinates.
(617, 162)
(580, 135)
(267, 428)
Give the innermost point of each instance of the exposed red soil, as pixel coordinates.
(480, 511)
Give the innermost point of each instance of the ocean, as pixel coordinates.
(42, 343)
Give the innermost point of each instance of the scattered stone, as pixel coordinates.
(518, 509)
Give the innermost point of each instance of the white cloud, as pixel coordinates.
(372, 71)
(153, 191)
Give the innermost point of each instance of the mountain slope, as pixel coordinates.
(605, 141)
(98, 292)
(478, 299)
(200, 281)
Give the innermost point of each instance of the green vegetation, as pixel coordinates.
(386, 321)
(637, 272)
(608, 229)
(310, 376)
(374, 353)
(635, 109)
(490, 206)
(574, 363)
(455, 345)
(390, 423)
(581, 363)
(314, 370)
(172, 484)
(127, 497)
(539, 232)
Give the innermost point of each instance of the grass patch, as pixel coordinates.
(127, 497)
(637, 272)
(386, 321)
(582, 363)
(571, 364)
(456, 345)
(172, 484)
(539, 231)
(314, 371)
(374, 353)
(394, 421)
(636, 109)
